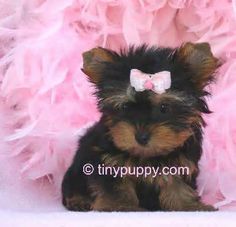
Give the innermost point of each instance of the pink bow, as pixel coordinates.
(157, 82)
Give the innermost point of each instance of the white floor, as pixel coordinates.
(93, 219)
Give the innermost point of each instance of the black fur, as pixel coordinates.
(115, 79)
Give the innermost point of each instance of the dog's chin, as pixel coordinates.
(146, 152)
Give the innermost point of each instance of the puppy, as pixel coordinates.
(151, 100)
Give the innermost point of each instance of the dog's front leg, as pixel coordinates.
(119, 196)
(176, 195)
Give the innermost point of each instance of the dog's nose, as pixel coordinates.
(142, 137)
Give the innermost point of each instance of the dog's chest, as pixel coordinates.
(149, 171)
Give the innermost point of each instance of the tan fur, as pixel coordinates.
(123, 135)
(193, 169)
(120, 160)
(108, 121)
(165, 139)
(92, 62)
(175, 195)
(124, 199)
(77, 202)
(200, 58)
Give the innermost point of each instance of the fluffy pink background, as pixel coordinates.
(46, 102)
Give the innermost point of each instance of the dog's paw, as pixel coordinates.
(77, 203)
(199, 206)
(204, 207)
(119, 209)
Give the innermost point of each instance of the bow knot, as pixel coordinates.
(157, 82)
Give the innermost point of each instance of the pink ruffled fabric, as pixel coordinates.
(46, 101)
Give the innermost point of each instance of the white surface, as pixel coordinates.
(94, 219)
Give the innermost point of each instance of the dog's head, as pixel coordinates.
(146, 122)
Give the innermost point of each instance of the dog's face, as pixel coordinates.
(147, 123)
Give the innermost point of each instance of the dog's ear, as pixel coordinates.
(94, 61)
(201, 61)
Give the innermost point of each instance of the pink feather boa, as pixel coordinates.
(46, 101)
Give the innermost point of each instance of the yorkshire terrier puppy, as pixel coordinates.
(151, 100)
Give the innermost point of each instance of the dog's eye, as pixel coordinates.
(164, 108)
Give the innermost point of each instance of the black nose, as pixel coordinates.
(142, 137)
